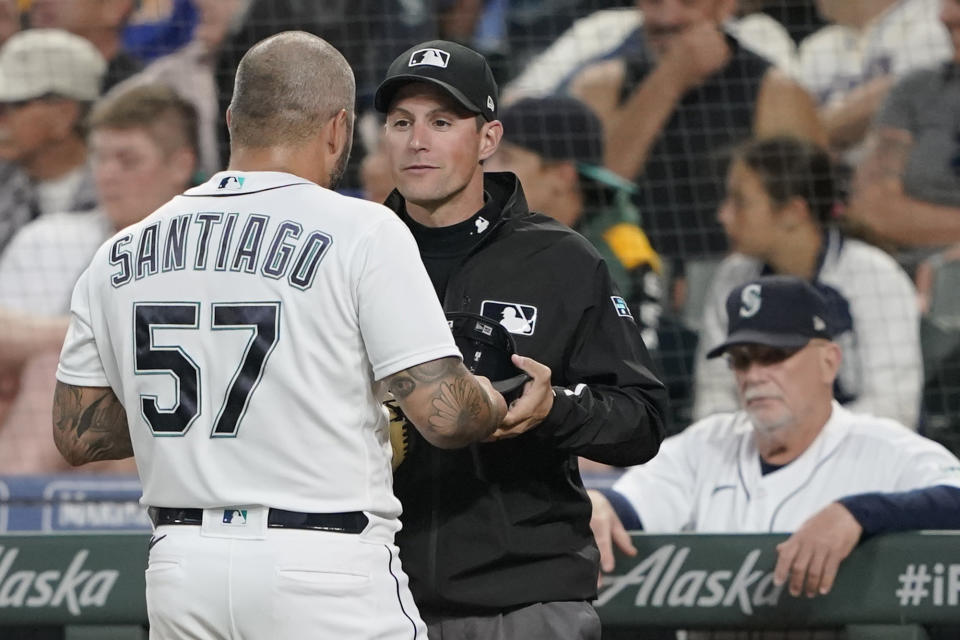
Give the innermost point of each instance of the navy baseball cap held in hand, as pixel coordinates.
(775, 311)
(486, 347)
(459, 70)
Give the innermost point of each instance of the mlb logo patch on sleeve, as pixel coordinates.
(517, 318)
(621, 306)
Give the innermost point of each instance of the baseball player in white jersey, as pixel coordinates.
(245, 332)
(792, 460)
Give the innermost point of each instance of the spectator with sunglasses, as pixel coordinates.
(792, 459)
(778, 215)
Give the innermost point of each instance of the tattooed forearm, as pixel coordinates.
(89, 424)
(445, 402)
(459, 404)
(402, 384)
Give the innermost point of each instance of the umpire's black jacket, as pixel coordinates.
(496, 526)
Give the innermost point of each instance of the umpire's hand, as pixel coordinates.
(814, 552)
(532, 407)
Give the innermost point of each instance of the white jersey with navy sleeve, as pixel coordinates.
(708, 479)
(244, 326)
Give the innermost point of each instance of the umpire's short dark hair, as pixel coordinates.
(793, 168)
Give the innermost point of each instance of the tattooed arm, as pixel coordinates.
(448, 405)
(89, 424)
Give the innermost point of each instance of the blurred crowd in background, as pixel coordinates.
(697, 144)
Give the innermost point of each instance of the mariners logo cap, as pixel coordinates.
(461, 71)
(775, 311)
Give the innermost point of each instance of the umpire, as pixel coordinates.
(496, 537)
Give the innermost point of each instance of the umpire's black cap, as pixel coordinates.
(461, 71)
(775, 311)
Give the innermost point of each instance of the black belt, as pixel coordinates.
(347, 522)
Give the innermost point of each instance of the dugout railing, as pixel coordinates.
(905, 580)
(73, 550)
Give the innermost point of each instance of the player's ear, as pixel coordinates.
(490, 135)
(340, 132)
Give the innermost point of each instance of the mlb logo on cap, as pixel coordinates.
(460, 71)
(432, 57)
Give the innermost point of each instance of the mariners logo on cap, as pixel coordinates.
(431, 57)
(750, 299)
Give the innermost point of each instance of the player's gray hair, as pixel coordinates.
(287, 86)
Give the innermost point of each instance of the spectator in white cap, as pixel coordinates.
(48, 79)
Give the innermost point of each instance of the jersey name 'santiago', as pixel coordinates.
(291, 253)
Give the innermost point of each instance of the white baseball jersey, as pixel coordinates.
(707, 479)
(836, 59)
(243, 326)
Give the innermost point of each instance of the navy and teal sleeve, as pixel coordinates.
(936, 507)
